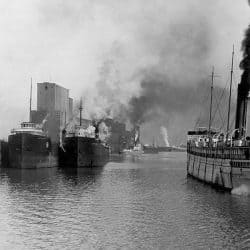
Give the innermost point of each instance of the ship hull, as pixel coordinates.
(4, 155)
(150, 150)
(222, 172)
(80, 152)
(30, 151)
(164, 149)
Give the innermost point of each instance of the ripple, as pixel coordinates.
(146, 204)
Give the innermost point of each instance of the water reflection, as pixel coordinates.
(80, 175)
(147, 203)
(225, 215)
(119, 158)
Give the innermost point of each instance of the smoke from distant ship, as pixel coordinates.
(169, 82)
(158, 94)
(166, 86)
(165, 135)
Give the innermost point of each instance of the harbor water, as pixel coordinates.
(142, 202)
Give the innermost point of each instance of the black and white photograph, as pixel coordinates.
(124, 124)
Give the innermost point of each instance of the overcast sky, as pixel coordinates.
(70, 42)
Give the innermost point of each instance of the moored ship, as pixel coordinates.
(29, 147)
(150, 149)
(221, 158)
(81, 147)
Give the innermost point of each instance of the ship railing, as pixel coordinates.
(232, 153)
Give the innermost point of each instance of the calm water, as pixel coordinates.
(143, 203)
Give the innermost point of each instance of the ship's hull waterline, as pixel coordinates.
(219, 172)
(80, 152)
(30, 151)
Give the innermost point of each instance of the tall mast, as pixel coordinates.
(30, 98)
(211, 100)
(65, 118)
(230, 93)
(80, 108)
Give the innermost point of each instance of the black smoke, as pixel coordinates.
(159, 96)
(245, 63)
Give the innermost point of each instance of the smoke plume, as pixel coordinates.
(165, 135)
(245, 63)
(157, 94)
(167, 87)
(110, 51)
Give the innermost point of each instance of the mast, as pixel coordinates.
(211, 100)
(30, 98)
(80, 108)
(230, 93)
(65, 118)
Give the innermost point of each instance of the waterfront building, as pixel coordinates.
(54, 108)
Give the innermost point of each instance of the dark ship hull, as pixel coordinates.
(83, 152)
(164, 149)
(150, 150)
(4, 158)
(30, 151)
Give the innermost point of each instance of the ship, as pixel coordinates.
(164, 148)
(150, 149)
(29, 146)
(81, 147)
(178, 149)
(222, 158)
(138, 149)
(4, 154)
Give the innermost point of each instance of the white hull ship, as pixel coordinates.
(226, 167)
(222, 159)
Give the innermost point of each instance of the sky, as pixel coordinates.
(103, 50)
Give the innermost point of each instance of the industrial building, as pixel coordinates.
(54, 108)
(120, 138)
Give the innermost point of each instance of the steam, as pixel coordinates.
(136, 88)
(241, 190)
(104, 132)
(170, 86)
(165, 135)
(44, 121)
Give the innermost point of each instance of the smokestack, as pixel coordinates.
(243, 87)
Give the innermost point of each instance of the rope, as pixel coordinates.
(202, 101)
(218, 103)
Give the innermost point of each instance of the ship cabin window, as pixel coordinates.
(27, 125)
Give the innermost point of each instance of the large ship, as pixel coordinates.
(222, 158)
(82, 147)
(150, 149)
(29, 147)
